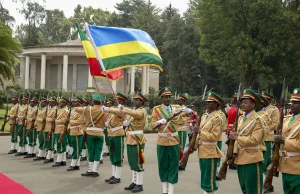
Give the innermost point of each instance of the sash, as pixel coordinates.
(96, 119)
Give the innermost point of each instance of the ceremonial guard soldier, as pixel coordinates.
(50, 126)
(61, 119)
(116, 139)
(109, 104)
(76, 135)
(248, 139)
(40, 123)
(290, 147)
(21, 127)
(136, 140)
(85, 103)
(210, 131)
(30, 126)
(182, 130)
(167, 140)
(95, 121)
(13, 115)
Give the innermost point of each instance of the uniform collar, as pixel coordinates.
(249, 114)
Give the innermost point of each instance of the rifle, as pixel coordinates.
(33, 121)
(191, 149)
(230, 155)
(23, 122)
(52, 127)
(5, 118)
(178, 113)
(272, 169)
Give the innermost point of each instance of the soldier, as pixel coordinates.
(61, 119)
(30, 127)
(13, 125)
(40, 126)
(248, 140)
(95, 120)
(21, 128)
(116, 139)
(182, 130)
(50, 124)
(109, 104)
(267, 121)
(136, 140)
(167, 140)
(290, 147)
(85, 103)
(76, 134)
(210, 131)
(274, 115)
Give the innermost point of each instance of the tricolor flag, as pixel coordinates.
(95, 68)
(123, 47)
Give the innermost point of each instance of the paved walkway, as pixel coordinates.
(42, 178)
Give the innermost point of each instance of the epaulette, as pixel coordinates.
(175, 105)
(256, 115)
(288, 116)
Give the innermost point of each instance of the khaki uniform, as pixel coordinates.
(13, 124)
(32, 114)
(62, 116)
(13, 112)
(51, 116)
(274, 115)
(23, 111)
(42, 113)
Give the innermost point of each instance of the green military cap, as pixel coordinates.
(78, 99)
(43, 99)
(296, 95)
(214, 97)
(166, 91)
(86, 100)
(53, 99)
(249, 94)
(34, 99)
(98, 97)
(181, 97)
(64, 99)
(121, 96)
(139, 95)
(268, 96)
(263, 100)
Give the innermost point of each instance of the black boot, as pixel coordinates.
(218, 179)
(101, 161)
(95, 174)
(63, 163)
(24, 153)
(57, 164)
(137, 188)
(48, 160)
(19, 154)
(33, 155)
(87, 173)
(109, 179)
(28, 156)
(181, 168)
(115, 181)
(71, 168)
(130, 187)
(269, 190)
(12, 151)
(83, 159)
(77, 168)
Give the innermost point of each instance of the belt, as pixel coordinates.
(168, 134)
(230, 125)
(94, 129)
(116, 128)
(59, 125)
(249, 147)
(208, 143)
(135, 132)
(286, 154)
(271, 132)
(73, 127)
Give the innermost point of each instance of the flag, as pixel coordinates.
(92, 59)
(123, 47)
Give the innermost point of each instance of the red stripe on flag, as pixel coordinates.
(96, 71)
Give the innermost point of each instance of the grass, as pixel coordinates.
(2, 113)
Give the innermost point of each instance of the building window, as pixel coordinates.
(17, 70)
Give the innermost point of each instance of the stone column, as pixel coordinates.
(144, 79)
(114, 85)
(65, 73)
(43, 71)
(27, 63)
(132, 81)
(90, 81)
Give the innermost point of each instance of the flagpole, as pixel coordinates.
(99, 59)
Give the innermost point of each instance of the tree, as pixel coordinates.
(9, 46)
(252, 38)
(4, 15)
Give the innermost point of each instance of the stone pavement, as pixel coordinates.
(42, 178)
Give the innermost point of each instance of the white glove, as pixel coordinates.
(187, 110)
(120, 106)
(161, 122)
(125, 123)
(105, 109)
(107, 124)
